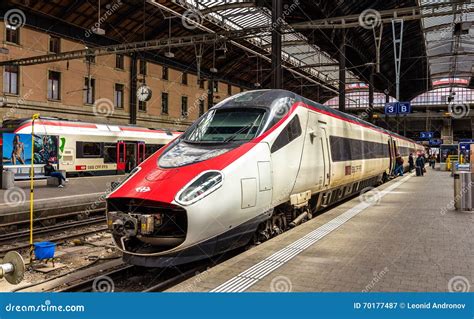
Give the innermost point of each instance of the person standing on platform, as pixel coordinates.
(432, 161)
(399, 165)
(411, 162)
(420, 165)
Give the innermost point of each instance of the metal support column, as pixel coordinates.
(276, 44)
(210, 92)
(342, 72)
(370, 110)
(397, 53)
(133, 89)
(378, 42)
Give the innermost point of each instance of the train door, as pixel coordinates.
(287, 144)
(140, 152)
(326, 157)
(131, 155)
(121, 156)
(390, 154)
(311, 172)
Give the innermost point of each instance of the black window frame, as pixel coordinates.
(87, 87)
(51, 80)
(80, 149)
(290, 133)
(119, 88)
(120, 61)
(142, 106)
(109, 159)
(11, 69)
(349, 149)
(54, 44)
(184, 106)
(202, 107)
(165, 73)
(12, 35)
(201, 83)
(184, 78)
(229, 89)
(142, 67)
(164, 103)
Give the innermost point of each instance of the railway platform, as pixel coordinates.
(404, 236)
(79, 194)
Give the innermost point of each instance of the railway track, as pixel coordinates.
(134, 278)
(10, 241)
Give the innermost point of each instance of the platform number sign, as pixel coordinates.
(404, 107)
(426, 135)
(394, 108)
(391, 108)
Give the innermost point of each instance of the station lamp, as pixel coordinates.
(169, 54)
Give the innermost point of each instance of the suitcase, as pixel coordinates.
(418, 171)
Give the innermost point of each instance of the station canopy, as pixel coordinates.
(437, 40)
(449, 40)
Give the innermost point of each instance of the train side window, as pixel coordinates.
(151, 148)
(88, 150)
(289, 133)
(110, 153)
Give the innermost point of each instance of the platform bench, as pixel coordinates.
(53, 181)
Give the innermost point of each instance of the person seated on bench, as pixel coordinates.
(50, 171)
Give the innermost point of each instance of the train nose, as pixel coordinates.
(150, 227)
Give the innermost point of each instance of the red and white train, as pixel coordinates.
(95, 148)
(254, 165)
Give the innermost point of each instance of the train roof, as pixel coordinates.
(267, 96)
(70, 126)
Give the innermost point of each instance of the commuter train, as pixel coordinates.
(90, 148)
(253, 166)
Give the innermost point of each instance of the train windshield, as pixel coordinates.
(225, 125)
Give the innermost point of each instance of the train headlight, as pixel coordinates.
(200, 187)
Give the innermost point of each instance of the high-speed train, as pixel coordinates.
(254, 165)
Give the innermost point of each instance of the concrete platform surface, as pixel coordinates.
(404, 236)
(77, 190)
